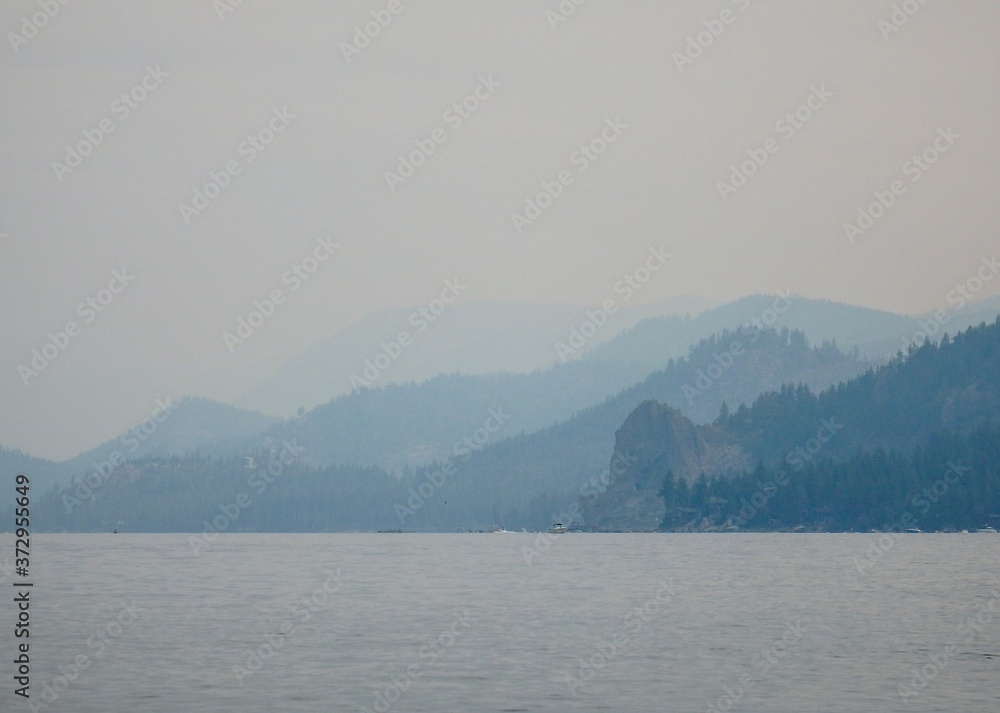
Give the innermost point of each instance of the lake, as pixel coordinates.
(510, 622)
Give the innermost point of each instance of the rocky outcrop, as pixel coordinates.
(655, 439)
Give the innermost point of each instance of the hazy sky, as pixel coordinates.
(197, 86)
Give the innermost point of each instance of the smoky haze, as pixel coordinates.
(170, 169)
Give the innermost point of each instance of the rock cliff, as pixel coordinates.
(654, 440)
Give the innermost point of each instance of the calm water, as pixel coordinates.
(454, 623)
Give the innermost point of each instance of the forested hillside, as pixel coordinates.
(842, 456)
(530, 479)
(881, 434)
(951, 483)
(520, 481)
(269, 492)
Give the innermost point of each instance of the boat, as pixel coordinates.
(991, 530)
(913, 530)
(499, 531)
(557, 529)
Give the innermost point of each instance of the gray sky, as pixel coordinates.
(547, 92)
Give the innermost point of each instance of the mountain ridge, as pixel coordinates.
(950, 387)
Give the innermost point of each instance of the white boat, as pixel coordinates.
(991, 530)
(557, 529)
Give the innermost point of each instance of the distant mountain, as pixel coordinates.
(44, 474)
(530, 479)
(377, 426)
(936, 390)
(178, 427)
(874, 333)
(470, 338)
(483, 477)
(406, 426)
(524, 445)
(974, 313)
(959, 316)
(820, 320)
(175, 428)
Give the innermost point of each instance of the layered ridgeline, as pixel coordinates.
(521, 338)
(468, 338)
(876, 334)
(377, 427)
(399, 427)
(532, 479)
(484, 478)
(917, 436)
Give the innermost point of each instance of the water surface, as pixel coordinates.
(463, 622)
